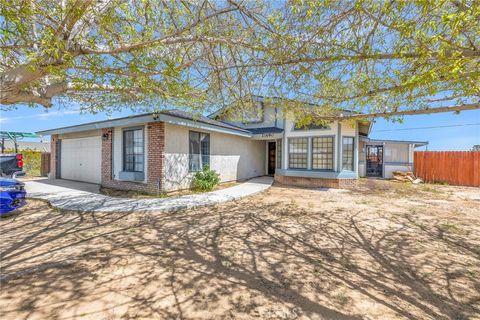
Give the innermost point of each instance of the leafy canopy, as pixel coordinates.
(379, 57)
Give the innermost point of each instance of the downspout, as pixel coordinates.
(383, 160)
(112, 174)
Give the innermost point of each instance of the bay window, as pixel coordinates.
(322, 153)
(347, 153)
(297, 153)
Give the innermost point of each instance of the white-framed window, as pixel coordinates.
(133, 150)
(279, 153)
(348, 153)
(322, 153)
(198, 150)
(297, 153)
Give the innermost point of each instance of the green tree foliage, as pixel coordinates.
(385, 58)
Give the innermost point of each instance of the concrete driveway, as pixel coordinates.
(85, 197)
(48, 184)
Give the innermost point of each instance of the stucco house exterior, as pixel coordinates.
(161, 151)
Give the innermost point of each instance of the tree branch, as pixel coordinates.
(456, 108)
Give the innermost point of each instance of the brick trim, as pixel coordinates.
(107, 141)
(316, 182)
(53, 156)
(155, 149)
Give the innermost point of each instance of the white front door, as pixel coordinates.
(81, 159)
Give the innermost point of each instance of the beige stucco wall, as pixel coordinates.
(83, 134)
(233, 157)
(396, 152)
(390, 168)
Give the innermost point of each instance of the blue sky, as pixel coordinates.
(451, 132)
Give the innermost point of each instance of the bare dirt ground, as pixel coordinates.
(387, 251)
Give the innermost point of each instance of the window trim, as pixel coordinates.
(200, 147)
(278, 153)
(124, 146)
(333, 153)
(288, 148)
(353, 154)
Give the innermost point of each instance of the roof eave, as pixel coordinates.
(136, 120)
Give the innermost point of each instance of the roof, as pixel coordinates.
(170, 116)
(28, 145)
(262, 99)
(265, 130)
(416, 143)
(188, 116)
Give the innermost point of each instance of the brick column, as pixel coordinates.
(107, 140)
(156, 155)
(155, 151)
(53, 156)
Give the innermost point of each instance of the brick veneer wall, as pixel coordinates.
(107, 154)
(155, 149)
(53, 156)
(316, 182)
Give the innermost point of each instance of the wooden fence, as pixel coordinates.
(45, 164)
(461, 168)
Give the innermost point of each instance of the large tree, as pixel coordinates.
(382, 58)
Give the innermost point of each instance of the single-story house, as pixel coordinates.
(161, 151)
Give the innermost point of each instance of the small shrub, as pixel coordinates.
(206, 179)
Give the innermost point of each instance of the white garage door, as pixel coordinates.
(81, 159)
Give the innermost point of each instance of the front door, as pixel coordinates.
(374, 161)
(271, 158)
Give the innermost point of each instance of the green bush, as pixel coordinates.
(206, 179)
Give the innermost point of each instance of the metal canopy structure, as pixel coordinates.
(14, 136)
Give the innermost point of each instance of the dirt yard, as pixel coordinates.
(389, 251)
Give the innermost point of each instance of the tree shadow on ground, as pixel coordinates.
(242, 259)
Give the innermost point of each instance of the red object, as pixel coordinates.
(19, 157)
(458, 168)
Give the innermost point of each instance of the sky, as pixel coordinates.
(444, 131)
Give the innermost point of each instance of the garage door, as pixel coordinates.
(81, 159)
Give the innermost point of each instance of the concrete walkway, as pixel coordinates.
(63, 197)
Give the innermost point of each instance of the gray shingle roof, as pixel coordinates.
(265, 130)
(200, 118)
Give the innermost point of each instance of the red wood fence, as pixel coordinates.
(461, 168)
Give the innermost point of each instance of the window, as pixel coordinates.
(297, 153)
(347, 153)
(322, 153)
(199, 150)
(279, 153)
(133, 155)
